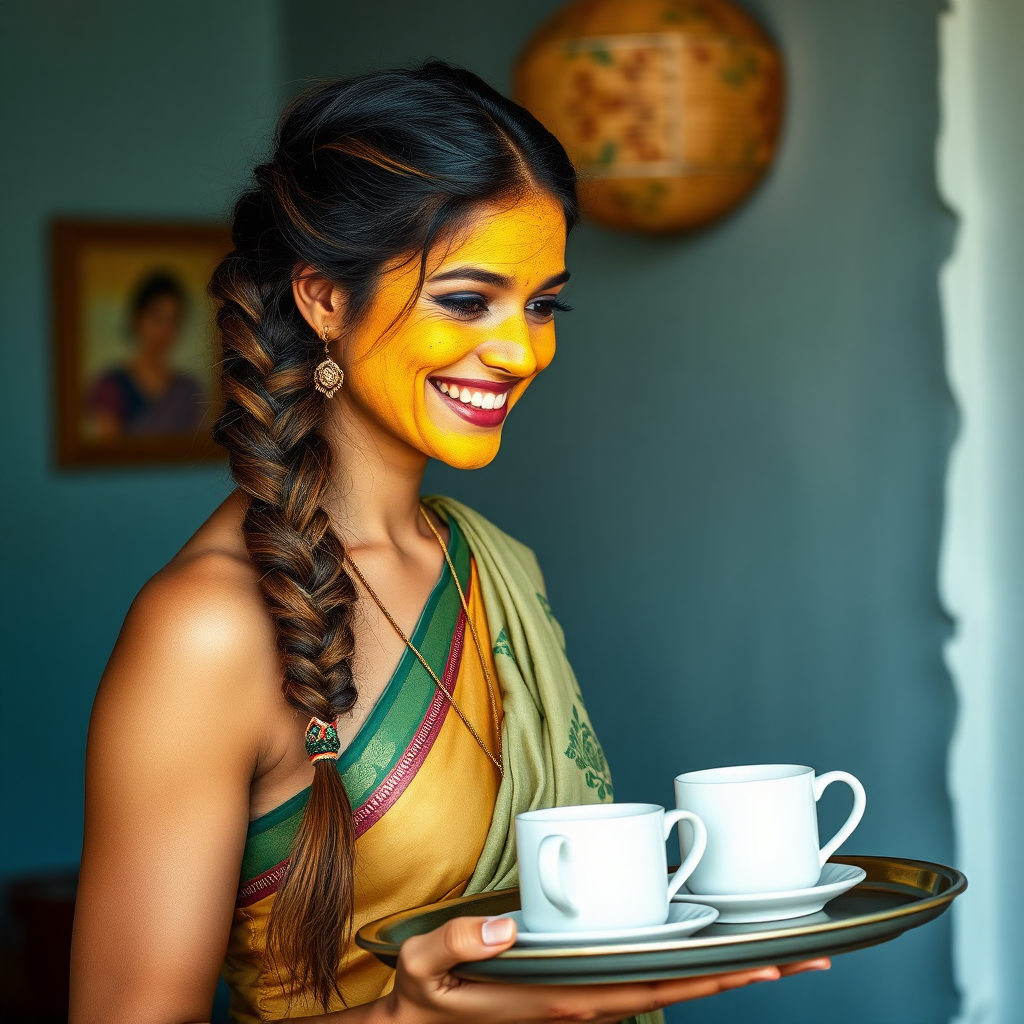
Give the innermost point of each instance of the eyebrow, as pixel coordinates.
(496, 280)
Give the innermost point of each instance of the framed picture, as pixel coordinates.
(136, 345)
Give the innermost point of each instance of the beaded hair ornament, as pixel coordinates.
(322, 741)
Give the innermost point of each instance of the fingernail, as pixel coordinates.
(496, 931)
(772, 976)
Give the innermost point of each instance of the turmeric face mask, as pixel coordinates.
(442, 375)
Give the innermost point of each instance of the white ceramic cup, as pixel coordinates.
(762, 826)
(599, 866)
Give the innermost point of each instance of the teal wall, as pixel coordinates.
(108, 108)
(732, 473)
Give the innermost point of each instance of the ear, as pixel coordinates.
(320, 301)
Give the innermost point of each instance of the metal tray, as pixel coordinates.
(897, 895)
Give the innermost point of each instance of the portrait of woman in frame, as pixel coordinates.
(135, 343)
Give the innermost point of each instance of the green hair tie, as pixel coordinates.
(322, 741)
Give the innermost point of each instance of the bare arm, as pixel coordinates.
(172, 749)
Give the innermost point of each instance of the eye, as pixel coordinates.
(545, 308)
(463, 304)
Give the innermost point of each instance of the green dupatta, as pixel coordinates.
(552, 757)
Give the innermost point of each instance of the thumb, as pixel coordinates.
(460, 939)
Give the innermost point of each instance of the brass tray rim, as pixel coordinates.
(368, 936)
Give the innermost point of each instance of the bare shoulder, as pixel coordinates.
(174, 745)
(198, 642)
(207, 595)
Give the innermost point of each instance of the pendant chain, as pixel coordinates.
(496, 761)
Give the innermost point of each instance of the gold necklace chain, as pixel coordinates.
(496, 761)
(472, 628)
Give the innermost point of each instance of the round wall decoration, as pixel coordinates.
(670, 109)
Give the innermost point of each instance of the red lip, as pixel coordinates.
(475, 414)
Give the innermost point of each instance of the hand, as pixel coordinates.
(426, 992)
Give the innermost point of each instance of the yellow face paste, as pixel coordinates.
(442, 375)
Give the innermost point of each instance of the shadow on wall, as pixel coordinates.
(35, 947)
(36, 918)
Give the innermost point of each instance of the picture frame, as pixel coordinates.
(136, 346)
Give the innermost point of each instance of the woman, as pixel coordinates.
(148, 395)
(333, 701)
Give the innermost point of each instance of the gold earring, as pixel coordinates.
(328, 376)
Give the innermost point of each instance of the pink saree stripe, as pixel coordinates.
(385, 795)
(262, 885)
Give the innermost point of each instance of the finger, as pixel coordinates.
(646, 997)
(822, 963)
(711, 984)
(461, 939)
(595, 1003)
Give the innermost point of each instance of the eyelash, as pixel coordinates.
(554, 306)
(467, 306)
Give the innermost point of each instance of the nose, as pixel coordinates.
(510, 349)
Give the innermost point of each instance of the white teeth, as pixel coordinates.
(478, 399)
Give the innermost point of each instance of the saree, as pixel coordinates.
(422, 794)
(433, 820)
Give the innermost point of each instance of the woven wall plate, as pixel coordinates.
(897, 895)
(670, 109)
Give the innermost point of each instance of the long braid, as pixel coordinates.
(367, 173)
(271, 429)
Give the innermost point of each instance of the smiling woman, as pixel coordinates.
(460, 348)
(334, 700)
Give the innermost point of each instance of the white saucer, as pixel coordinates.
(780, 906)
(683, 919)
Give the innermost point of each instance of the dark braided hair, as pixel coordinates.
(365, 171)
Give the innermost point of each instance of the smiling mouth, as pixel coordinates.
(481, 402)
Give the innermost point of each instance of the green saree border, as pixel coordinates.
(384, 737)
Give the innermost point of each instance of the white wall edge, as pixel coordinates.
(966, 561)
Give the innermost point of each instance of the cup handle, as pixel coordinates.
(700, 842)
(860, 801)
(548, 871)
